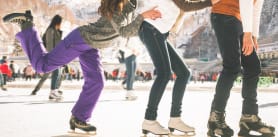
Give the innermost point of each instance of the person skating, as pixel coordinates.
(52, 37)
(236, 25)
(83, 42)
(153, 34)
(130, 53)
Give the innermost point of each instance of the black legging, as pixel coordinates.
(165, 59)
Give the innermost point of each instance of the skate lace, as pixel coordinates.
(221, 121)
(262, 123)
(81, 123)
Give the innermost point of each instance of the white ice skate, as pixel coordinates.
(152, 126)
(175, 123)
(55, 96)
(130, 96)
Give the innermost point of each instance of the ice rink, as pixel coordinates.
(23, 115)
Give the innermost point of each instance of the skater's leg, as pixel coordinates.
(250, 121)
(130, 71)
(55, 78)
(251, 71)
(68, 49)
(182, 72)
(94, 82)
(155, 43)
(227, 30)
(59, 79)
(40, 83)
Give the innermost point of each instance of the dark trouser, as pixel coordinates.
(5, 78)
(229, 33)
(1, 79)
(165, 59)
(56, 79)
(130, 63)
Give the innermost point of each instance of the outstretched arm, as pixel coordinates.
(193, 5)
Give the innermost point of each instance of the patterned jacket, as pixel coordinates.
(102, 34)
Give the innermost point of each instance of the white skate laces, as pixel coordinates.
(152, 126)
(175, 123)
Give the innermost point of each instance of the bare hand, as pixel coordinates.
(255, 41)
(248, 44)
(214, 1)
(152, 13)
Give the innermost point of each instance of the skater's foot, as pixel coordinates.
(130, 95)
(152, 126)
(175, 123)
(60, 92)
(76, 123)
(217, 125)
(23, 19)
(34, 92)
(253, 123)
(4, 88)
(54, 95)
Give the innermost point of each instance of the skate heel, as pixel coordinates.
(145, 132)
(171, 129)
(72, 127)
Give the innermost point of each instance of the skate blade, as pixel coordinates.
(155, 136)
(258, 134)
(83, 134)
(182, 134)
(55, 100)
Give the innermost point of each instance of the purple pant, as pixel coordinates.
(68, 49)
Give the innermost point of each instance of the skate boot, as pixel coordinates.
(152, 126)
(175, 123)
(252, 123)
(3, 88)
(23, 19)
(130, 96)
(60, 92)
(54, 95)
(34, 92)
(217, 125)
(83, 126)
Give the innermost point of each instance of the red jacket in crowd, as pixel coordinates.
(4, 69)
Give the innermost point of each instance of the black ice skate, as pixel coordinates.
(86, 128)
(19, 18)
(23, 19)
(3, 88)
(217, 125)
(252, 126)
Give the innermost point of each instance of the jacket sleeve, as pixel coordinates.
(257, 17)
(130, 29)
(49, 39)
(246, 14)
(188, 6)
